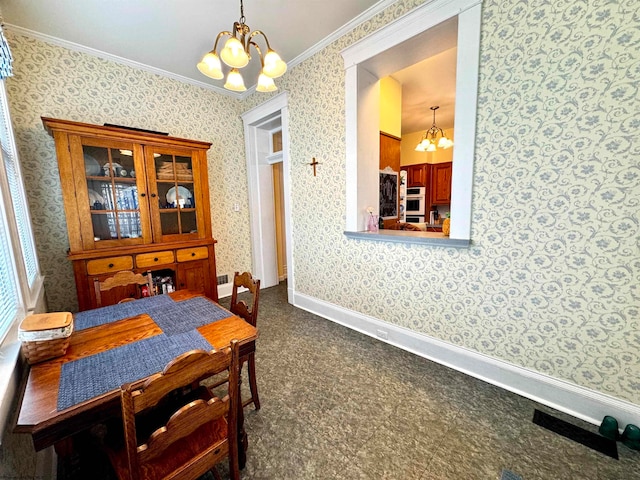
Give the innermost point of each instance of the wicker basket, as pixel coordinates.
(45, 335)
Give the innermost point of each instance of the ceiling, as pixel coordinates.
(170, 36)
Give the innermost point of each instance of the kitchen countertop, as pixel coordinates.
(436, 239)
(426, 226)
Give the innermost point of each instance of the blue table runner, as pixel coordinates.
(91, 376)
(181, 317)
(97, 374)
(111, 313)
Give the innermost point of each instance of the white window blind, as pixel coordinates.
(16, 190)
(9, 299)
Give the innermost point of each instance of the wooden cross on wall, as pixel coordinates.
(314, 163)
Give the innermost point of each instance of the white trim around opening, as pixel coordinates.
(261, 193)
(362, 102)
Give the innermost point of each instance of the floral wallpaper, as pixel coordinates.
(55, 82)
(550, 281)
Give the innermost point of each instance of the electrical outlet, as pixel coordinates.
(383, 334)
(236, 207)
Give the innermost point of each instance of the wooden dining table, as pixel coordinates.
(48, 425)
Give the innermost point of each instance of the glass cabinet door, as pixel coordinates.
(172, 172)
(113, 194)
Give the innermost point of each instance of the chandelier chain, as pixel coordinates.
(242, 19)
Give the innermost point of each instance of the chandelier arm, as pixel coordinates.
(220, 35)
(242, 29)
(255, 45)
(260, 32)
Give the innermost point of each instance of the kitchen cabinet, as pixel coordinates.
(134, 200)
(417, 175)
(390, 159)
(441, 183)
(389, 152)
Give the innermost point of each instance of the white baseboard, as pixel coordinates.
(224, 290)
(580, 402)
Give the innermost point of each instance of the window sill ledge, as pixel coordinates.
(434, 239)
(9, 376)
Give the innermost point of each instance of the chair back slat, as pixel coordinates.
(186, 421)
(123, 278)
(240, 308)
(198, 432)
(184, 370)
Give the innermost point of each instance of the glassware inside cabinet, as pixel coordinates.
(113, 193)
(176, 198)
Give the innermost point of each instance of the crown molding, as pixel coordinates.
(368, 14)
(115, 58)
(328, 40)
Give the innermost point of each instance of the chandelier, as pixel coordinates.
(236, 55)
(430, 140)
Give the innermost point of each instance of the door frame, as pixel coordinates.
(261, 196)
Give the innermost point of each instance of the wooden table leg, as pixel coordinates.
(68, 460)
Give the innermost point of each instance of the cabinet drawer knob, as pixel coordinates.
(111, 265)
(193, 254)
(155, 259)
(153, 195)
(143, 194)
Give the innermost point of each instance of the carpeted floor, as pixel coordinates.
(337, 404)
(340, 405)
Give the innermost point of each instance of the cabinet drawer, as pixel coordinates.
(188, 254)
(106, 265)
(151, 259)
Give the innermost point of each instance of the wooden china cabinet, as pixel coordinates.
(134, 200)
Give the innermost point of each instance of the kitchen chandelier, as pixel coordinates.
(236, 55)
(428, 143)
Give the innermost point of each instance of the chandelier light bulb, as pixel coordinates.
(274, 66)
(233, 53)
(210, 66)
(235, 82)
(265, 84)
(431, 147)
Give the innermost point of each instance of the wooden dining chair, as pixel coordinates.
(123, 278)
(250, 315)
(190, 438)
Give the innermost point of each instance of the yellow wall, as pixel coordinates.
(391, 106)
(409, 156)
